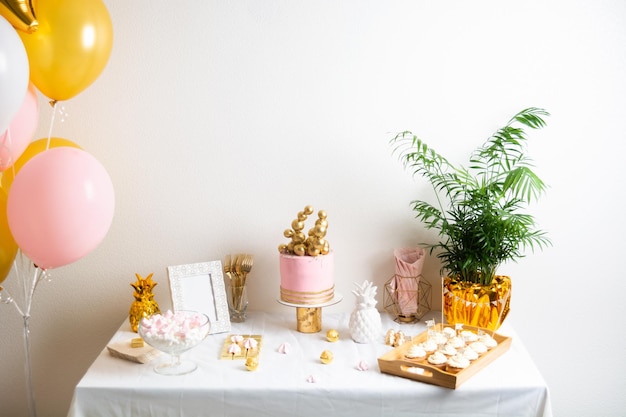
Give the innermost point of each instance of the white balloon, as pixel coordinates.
(14, 73)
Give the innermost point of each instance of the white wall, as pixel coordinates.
(219, 120)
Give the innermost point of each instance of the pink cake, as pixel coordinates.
(307, 279)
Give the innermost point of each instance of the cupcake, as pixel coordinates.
(469, 336)
(438, 359)
(415, 352)
(488, 341)
(457, 342)
(470, 354)
(457, 363)
(439, 338)
(478, 347)
(429, 346)
(448, 350)
(449, 332)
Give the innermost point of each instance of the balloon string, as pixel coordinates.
(53, 103)
(29, 284)
(7, 144)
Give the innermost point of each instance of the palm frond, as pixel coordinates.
(484, 224)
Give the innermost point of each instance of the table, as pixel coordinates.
(510, 386)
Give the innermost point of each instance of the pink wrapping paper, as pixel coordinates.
(408, 264)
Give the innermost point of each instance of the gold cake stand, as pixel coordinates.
(309, 316)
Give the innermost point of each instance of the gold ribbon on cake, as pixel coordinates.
(307, 298)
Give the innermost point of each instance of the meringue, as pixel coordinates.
(362, 366)
(250, 343)
(284, 348)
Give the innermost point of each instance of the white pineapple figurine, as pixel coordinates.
(365, 324)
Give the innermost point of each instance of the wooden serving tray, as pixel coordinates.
(395, 363)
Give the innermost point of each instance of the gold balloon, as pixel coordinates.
(34, 148)
(8, 247)
(20, 14)
(308, 210)
(70, 48)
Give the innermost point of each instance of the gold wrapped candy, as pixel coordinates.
(315, 243)
(252, 363)
(326, 357)
(332, 335)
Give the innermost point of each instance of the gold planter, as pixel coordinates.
(477, 305)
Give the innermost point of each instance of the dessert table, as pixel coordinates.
(298, 384)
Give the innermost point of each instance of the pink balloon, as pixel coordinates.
(60, 206)
(15, 140)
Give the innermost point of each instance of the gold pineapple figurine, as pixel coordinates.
(144, 304)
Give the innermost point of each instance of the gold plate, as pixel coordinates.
(243, 354)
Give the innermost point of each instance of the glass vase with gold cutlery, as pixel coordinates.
(236, 269)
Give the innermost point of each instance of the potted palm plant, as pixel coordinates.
(479, 216)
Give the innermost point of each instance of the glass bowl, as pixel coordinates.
(173, 334)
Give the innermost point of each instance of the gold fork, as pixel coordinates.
(226, 265)
(246, 265)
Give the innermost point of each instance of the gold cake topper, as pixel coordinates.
(315, 243)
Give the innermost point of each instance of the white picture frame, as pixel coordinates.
(200, 287)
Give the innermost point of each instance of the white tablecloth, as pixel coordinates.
(510, 386)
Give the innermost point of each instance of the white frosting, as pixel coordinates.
(470, 354)
(458, 361)
(437, 358)
(469, 336)
(448, 350)
(415, 351)
(457, 342)
(429, 346)
(478, 347)
(449, 332)
(439, 338)
(489, 341)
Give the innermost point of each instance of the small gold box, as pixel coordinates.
(137, 342)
